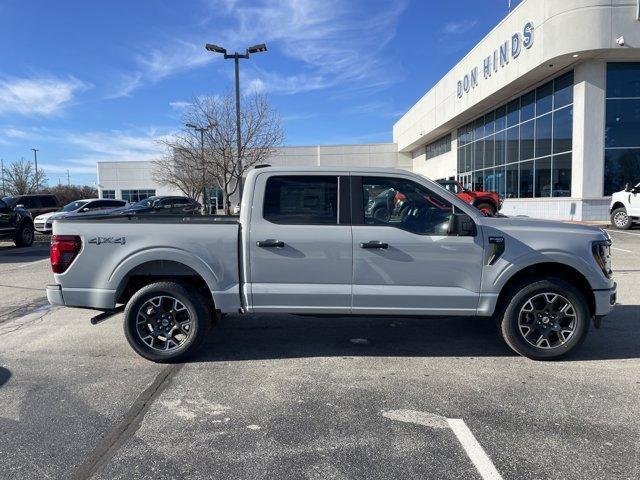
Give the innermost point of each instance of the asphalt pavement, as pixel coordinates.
(281, 396)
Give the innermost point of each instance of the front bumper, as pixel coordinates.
(43, 227)
(605, 300)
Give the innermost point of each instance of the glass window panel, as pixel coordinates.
(512, 144)
(562, 130)
(461, 151)
(478, 129)
(526, 140)
(468, 157)
(513, 112)
(500, 148)
(543, 136)
(526, 179)
(489, 123)
(544, 98)
(543, 177)
(623, 123)
(301, 200)
(500, 181)
(512, 181)
(489, 145)
(489, 180)
(623, 80)
(478, 181)
(478, 154)
(563, 90)
(561, 175)
(528, 106)
(501, 118)
(621, 167)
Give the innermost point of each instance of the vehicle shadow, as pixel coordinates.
(254, 337)
(12, 254)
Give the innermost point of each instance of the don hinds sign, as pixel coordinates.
(500, 58)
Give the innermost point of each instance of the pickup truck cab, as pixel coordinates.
(625, 207)
(308, 242)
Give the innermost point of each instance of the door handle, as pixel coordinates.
(374, 244)
(270, 244)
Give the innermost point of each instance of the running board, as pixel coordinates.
(106, 315)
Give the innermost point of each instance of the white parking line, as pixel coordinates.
(624, 233)
(621, 249)
(474, 450)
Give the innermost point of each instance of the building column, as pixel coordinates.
(589, 92)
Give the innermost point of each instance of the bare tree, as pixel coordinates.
(21, 179)
(185, 163)
(70, 193)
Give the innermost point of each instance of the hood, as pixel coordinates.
(47, 216)
(525, 224)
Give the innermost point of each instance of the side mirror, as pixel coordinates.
(20, 206)
(461, 225)
(85, 209)
(627, 187)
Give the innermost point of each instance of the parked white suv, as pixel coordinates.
(625, 207)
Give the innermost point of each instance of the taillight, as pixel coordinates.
(64, 249)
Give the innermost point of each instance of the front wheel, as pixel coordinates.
(545, 319)
(25, 235)
(165, 322)
(620, 219)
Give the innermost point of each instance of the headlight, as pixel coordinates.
(601, 250)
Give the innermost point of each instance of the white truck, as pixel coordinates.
(321, 242)
(625, 207)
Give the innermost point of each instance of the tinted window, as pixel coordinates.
(406, 205)
(544, 98)
(563, 90)
(181, 202)
(29, 202)
(48, 202)
(623, 80)
(113, 203)
(302, 200)
(623, 123)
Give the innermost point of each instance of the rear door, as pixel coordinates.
(403, 258)
(300, 244)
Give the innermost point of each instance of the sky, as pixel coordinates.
(104, 81)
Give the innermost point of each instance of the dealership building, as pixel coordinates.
(544, 110)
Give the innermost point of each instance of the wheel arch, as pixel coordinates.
(548, 270)
(617, 205)
(153, 271)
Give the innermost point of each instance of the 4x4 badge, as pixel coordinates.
(101, 240)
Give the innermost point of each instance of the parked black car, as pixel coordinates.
(36, 204)
(162, 206)
(16, 223)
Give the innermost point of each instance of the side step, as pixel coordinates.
(105, 315)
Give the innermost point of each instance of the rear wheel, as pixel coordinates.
(545, 319)
(25, 235)
(620, 219)
(487, 209)
(165, 322)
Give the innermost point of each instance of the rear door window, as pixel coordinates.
(301, 200)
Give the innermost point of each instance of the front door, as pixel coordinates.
(5, 218)
(300, 253)
(404, 260)
(634, 201)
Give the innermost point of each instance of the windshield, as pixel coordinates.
(73, 206)
(146, 203)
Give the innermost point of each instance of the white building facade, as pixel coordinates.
(544, 110)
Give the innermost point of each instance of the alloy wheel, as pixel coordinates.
(547, 320)
(620, 219)
(163, 323)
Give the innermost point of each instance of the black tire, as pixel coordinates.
(620, 219)
(487, 209)
(24, 235)
(512, 331)
(196, 307)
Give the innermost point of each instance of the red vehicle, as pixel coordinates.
(489, 203)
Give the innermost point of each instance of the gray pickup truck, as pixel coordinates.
(336, 241)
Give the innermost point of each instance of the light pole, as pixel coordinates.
(204, 165)
(35, 159)
(261, 47)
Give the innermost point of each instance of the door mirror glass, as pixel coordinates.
(462, 225)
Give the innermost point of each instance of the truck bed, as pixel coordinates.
(116, 248)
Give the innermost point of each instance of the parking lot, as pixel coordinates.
(301, 397)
